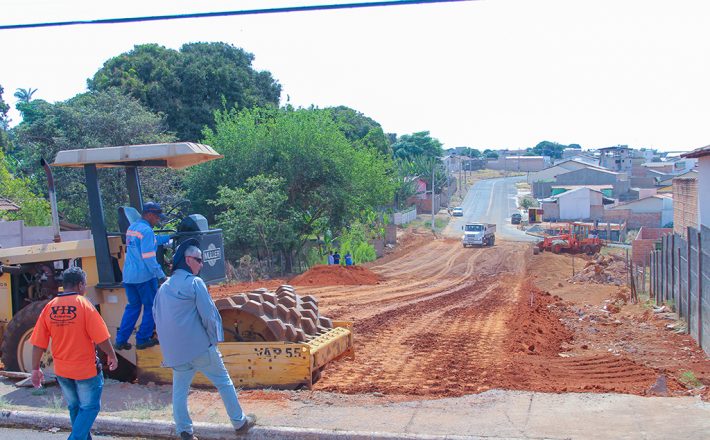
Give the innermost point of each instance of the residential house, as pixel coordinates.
(703, 186)
(578, 204)
(580, 175)
(616, 158)
(654, 212)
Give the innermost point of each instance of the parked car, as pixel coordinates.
(457, 211)
(516, 218)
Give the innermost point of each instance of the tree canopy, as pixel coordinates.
(4, 123)
(300, 155)
(421, 143)
(90, 120)
(188, 85)
(551, 149)
(361, 131)
(34, 209)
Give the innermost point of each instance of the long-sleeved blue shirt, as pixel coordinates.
(186, 319)
(141, 245)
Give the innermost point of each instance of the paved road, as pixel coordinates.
(491, 201)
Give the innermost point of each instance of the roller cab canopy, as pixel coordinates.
(176, 155)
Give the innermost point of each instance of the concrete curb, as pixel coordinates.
(207, 431)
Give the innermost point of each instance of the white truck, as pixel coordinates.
(481, 234)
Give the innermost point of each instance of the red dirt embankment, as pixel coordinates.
(334, 275)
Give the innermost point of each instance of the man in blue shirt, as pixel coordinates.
(141, 273)
(189, 327)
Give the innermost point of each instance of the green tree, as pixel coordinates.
(25, 95)
(256, 217)
(490, 154)
(34, 209)
(188, 85)
(90, 120)
(472, 152)
(360, 130)
(409, 146)
(547, 148)
(327, 181)
(5, 144)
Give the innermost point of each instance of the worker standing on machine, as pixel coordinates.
(190, 327)
(141, 274)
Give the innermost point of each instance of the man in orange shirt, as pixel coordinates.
(75, 327)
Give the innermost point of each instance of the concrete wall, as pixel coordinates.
(685, 205)
(15, 233)
(574, 204)
(541, 190)
(551, 211)
(704, 188)
(515, 163)
(591, 176)
(633, 220)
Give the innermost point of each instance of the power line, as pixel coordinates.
(324, 7)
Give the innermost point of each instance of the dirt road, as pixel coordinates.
(449, 321)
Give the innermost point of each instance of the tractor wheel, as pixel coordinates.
(597, 248)
(556, 248)
(265, 316)
(587, 249)
(16, 346)
(493, 241)
(536, 250)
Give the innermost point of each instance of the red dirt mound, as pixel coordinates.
(225, 290)
(336, 276)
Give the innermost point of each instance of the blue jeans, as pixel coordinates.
(139, 296)
(210, 364)
(84, 401)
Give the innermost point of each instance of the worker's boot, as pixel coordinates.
(121, 346)
(248, 424)
(147, 344)
(187, 436)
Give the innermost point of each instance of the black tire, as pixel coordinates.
(17, 336)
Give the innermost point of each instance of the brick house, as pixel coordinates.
(653, 212)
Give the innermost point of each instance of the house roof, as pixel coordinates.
(597, 188)
(698, 152)
(625, 205)
(7, 205)
(567, 193)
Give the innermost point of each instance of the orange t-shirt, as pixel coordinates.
(75, 326)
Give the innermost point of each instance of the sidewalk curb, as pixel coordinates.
(207, 431)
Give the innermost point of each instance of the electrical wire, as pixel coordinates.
(323, 7)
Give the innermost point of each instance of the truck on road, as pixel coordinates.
(481, 234)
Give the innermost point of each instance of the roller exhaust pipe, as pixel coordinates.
(52, 201)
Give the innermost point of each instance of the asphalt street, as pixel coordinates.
(491, 201)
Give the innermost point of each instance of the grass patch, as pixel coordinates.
(689, 380)
(54, 403)
(4, 403)
(142, 409)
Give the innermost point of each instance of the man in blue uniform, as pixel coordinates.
(141, 273)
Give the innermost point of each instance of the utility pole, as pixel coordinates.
(433, 193)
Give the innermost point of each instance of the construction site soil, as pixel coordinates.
(434, 320)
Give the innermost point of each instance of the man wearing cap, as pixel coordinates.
(141, 273)
(190, 326)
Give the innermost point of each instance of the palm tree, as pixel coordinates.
(25, 95)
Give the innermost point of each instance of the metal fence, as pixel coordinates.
(680, 275)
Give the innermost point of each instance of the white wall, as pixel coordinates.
(703, 188)
(574, 205)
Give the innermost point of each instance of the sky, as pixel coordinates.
(483, 74)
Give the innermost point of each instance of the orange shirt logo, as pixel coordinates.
(62, 313)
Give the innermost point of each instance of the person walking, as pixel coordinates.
(331, 260)
(336, 258)
(141, 276)
(348, 259)
(74, 327)
(189, 327)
